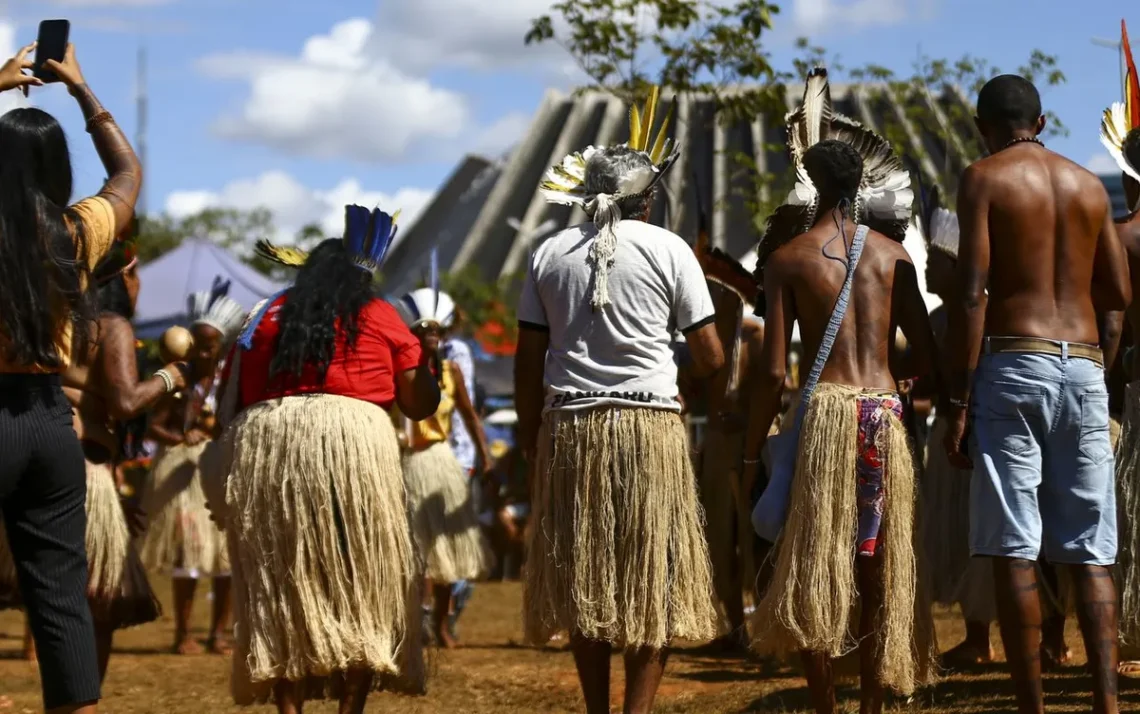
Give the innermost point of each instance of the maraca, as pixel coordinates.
(175, 344)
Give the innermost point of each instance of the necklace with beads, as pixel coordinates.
(1023, 140)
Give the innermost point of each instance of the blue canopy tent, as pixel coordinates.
(191, 267)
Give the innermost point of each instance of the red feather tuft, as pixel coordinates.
(1132, 81)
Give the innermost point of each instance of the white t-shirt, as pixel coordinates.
(621, 354)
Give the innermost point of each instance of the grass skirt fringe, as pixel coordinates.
(117, 586)
(728, 512)
(1128, 517)
(955, 577)
(617, 551)
(444, 523)
(325, 574)
(180, 534)
(811, 603)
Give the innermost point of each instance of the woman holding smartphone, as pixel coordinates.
(48, 249)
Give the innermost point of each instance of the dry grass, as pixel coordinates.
(492, 673)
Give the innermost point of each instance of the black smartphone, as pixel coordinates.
(51, 44)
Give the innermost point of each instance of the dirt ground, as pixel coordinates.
(494, 673)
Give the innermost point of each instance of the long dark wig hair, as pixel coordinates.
(41, 242)
(329, 293)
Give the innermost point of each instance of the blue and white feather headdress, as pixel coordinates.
(215, 309)
(368, 234)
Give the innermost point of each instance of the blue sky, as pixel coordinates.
(302, 106)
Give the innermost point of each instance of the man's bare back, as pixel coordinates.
(884, 295)
(1046, 224)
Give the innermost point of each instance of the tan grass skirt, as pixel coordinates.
(728, 519)
(180, 535)
(117, 586)
(325, 572)
(955, 577)
(812, 601)
(445, 525)
(1128, 517)
(617, 551)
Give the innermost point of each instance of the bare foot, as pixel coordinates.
(1054, 657)
(966, 655)
(187, 646)
(1129, 669)
(219, 645)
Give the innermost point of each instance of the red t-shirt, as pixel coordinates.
(384, 347)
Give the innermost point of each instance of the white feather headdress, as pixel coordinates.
(213, 308)
(884, 192)
(1122, 118)
(939, 225)
(565, 184)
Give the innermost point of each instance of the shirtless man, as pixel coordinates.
(1128, 456)
(726, 502)
(802, 280)
(1037, 236)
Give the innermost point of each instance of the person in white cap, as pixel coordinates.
(445, 524)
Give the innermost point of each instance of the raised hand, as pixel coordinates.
(68, 70)
(13, 75)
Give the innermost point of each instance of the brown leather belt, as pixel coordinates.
(1039, 346)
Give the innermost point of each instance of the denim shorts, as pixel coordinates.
(1043, 465)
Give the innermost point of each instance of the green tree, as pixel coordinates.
(715, 48)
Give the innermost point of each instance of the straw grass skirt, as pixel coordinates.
(325, 573)
(617, 551)
(445, 525)
(180, 537)
(117, 586)
(955, 577)
(1128, 518)
(812, 601)
(728, 521)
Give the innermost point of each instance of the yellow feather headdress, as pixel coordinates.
(1123, 118)
(564, 183)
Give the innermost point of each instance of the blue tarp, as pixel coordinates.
(191, 267)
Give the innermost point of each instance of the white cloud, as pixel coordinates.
(820, 16)
(1102, 163)
(337, 100)
(294, 205)
(501, 135)
(422, 35)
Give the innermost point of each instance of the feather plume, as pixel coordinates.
(367, 235)
(662, 145)
(809, 123)
(283, 255)
(1113, 129)
(634, 126)
(1131, 81)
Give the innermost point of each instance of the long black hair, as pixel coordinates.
(329, 293)
(41, 242)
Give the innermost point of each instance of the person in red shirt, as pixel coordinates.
(327, 586)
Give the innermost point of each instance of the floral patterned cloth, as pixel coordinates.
(873, 413)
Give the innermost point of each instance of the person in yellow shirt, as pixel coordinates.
(48, 250)
(445, 525)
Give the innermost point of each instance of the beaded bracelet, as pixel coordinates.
(167, 380)
(100, 118)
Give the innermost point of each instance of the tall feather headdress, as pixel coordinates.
(368, 234)
(1123, 118)
(939, 225)
(214, 308)
(565, 184)
(884, 200)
